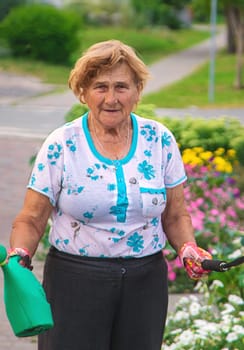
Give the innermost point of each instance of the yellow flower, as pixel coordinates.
(206, 155)
(228, 168)
(231, 153)
(219, 151)
(222, 165)
(196, 161)
(198, 149)
(218, 160)
(190, 157)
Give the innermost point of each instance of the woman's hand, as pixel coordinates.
(24, 254)
(191, 257)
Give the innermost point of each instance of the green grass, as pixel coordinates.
(151, 45)
(52, 74)
(193, 90)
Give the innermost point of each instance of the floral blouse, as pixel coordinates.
(104, 207)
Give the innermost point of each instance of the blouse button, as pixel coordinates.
(133, 180)
(155, 201)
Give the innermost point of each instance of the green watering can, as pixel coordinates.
(26, 305)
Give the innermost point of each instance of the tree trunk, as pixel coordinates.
(239, 59)
(231, 43)
(237, 24)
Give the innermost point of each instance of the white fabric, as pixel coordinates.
(105, 208)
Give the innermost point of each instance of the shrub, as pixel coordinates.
(41, 32)
(7, 5)
(210, 134)
(76, 111)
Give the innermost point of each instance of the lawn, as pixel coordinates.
(150, 44)
(193, 90)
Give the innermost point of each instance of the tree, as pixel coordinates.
(103, 12)
(234, 11)
(159, 12)
(234, 16)
(7, 5)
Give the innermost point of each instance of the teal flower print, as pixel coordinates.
(154, 221)
(111, 187)
(40, 167)
(120, 234)
(116, 210)
(169, 156)
(119, 211)
(149, 133)
(146, 169)
(92, 172)
(71, 145)
(88, 215)
(75, 189)
(33, 180)
(64, 241)
(54, 152)
(136, 242)
(166, 139)
(83, 251)
(155, 242)
(148, 153)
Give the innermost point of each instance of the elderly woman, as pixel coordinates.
(112, 183)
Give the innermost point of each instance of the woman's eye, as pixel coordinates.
(121, 87)
(100, 87)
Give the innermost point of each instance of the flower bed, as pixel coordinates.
(213, 318)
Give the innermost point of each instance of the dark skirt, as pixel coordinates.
(105, 303)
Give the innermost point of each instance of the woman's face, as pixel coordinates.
(112, 95)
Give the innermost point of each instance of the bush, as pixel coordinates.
(7, 5)
(76, 111)
(210, 134)
(41, 32)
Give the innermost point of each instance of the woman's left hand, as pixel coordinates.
(192, 257)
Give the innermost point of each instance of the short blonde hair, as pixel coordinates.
(104, 56)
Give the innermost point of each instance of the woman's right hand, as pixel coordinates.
(24, 254)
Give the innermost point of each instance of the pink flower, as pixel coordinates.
(171, 275)
(240, 203)
(231, 212)
(214, 212)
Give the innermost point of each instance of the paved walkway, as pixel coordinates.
(18, 144)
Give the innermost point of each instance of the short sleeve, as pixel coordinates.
(46, 176)
(175, 172)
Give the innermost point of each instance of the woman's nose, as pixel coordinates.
(111, 97)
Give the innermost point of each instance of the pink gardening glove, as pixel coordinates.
(24, 254)
(191, 257)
